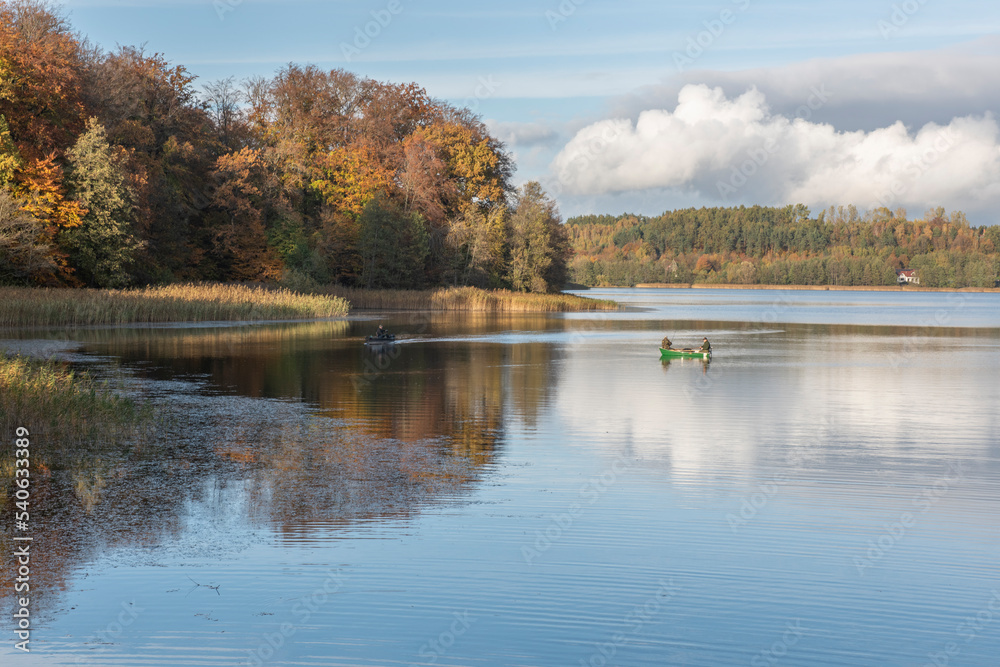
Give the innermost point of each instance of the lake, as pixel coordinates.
(539, 490)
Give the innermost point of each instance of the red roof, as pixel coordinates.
(909, 273)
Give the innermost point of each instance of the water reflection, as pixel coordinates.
(425, 470)
(803, 397)
(427, 386)
(296, 428)
(705, 364)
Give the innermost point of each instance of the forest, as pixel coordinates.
(783, 246)
(118, 169)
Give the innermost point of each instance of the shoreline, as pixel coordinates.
(466, 299)
(810, 288)
(201, 304)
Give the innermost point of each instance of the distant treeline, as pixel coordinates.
(115, 169)
(783, 246)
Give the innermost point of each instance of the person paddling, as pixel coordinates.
(705, 345)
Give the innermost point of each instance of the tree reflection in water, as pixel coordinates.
(267, 428)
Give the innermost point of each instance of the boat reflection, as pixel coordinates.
(690, 363)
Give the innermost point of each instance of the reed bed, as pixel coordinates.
(32, 307)
(65, 409)
(467, 299)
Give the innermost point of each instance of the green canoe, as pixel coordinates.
(694, 354)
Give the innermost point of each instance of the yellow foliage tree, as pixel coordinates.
(475, 161)
(348, 178)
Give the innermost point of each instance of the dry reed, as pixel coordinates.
(467, 299)
(26, 307)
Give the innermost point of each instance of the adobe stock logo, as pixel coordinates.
(705, 39)
(900, 16)
(757, 158)
(565, 9)
(223, 7)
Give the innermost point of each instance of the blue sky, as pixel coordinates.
(644, 106)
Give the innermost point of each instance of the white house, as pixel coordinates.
(907, 276)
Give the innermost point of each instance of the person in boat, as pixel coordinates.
(666, 343)
(381, 332)
(705, 345)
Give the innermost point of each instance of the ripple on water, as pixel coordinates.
(543, 499)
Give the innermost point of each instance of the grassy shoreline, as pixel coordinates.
(41, 307)
(67, 414)
(37, 307)
(813, 288)
(467, 299)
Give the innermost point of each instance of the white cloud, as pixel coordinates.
(867, 91)
(732, 150)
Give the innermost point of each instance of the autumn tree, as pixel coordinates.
(424, 182)
(388, 113)
(150, 108)
(24, 254)
(301, 113)
(708, 263)
(476, 163)
(44, 196)
(41, 112)
(143, 100)
(224, 100)
(40, 78)
(246, 196)
(348, 178)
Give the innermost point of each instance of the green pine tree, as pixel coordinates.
(103, 248)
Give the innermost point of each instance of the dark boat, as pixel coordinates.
(387, 339)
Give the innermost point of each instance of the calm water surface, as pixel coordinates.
(540, 490)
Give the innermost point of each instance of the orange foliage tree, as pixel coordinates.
(40, 79)
(241, 203)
